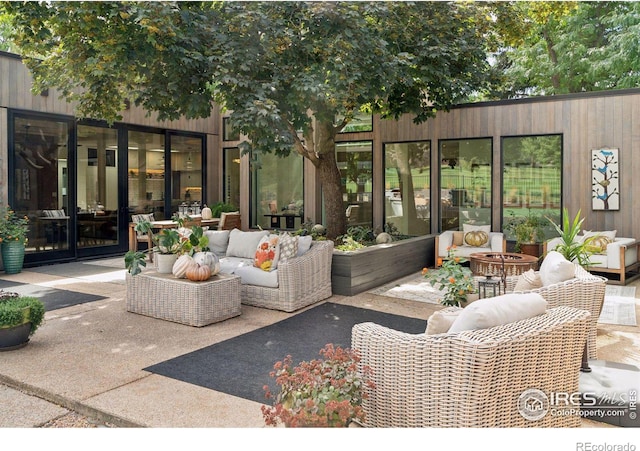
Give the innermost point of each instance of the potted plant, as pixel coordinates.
(570, 247)
(20, 316)
(454, 279)
(169, 245)
(325, 392)
(13, 239)
(528, 232)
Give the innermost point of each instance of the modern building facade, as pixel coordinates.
(79, 181)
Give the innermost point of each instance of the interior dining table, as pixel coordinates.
(164, 224)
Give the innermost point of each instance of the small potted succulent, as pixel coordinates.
(20, 316)
(325, 392)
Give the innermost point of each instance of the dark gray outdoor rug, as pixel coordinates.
(240, 366)
(53, 298)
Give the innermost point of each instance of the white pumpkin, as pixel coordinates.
(181, 265)
(208, 259)
(206, 213)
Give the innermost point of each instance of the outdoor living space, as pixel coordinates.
(100, 361)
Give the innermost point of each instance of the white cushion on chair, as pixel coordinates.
(244, 244)
(441, 321)
(499, 310)
(555, 268)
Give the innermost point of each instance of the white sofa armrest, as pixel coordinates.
(621, 247)
(445, 240)
(497, 241)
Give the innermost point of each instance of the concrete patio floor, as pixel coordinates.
(89, 358)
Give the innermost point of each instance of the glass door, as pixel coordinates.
(97, 200)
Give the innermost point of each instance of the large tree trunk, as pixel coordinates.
(336, 219)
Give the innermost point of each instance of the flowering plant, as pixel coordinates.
(455, 279)
(319, 393)
(12, 226)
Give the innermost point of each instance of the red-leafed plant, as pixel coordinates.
(325, 392)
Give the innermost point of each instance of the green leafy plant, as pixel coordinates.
(572, 248)
(16, 310)
(527, 229)
(452, 278)
(222, 207)
(324, 392)
(12, 226)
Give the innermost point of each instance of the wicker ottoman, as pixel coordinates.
(182, 301)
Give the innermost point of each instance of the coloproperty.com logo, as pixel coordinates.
(534, 404)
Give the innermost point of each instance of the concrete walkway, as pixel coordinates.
(89, 358)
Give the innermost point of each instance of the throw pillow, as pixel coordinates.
(529, 280)
(458, 238)
(599, 243)
(440, 322)
(555, 268)
(267, 253)
(611, 234)
(476, 236)
(499, 310)
(244, 244)
(218, 241)
(288, 246)
(304, 244)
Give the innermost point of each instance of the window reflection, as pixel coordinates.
(465, 182)
(407, 184)
(355, 164)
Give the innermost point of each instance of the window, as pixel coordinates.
(186, 171)
(355, 164)
(465, 182)
(146, 158)
(277, 199)
(532, 176)
(407, 181)
(228, 134)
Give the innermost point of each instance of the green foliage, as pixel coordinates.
(324, 392)
(571, 248)
(134, 261)
(222, 207)
(452, 278)
(12, 310)
(12, 226)
(356, 237)
(527, 229)
(284, 70)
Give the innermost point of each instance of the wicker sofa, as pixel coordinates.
(471, 378)
(584, 291)
(296, 283)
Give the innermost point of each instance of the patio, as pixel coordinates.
(89, 357)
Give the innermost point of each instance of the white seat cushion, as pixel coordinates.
(251, 275)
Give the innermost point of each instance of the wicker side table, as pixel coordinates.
(182, 301)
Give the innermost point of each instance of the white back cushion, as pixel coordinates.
(498, 310)
(555, 268)
(244, 244)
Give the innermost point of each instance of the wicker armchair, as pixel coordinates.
(471, 378)
(585, 291)
(302, 281)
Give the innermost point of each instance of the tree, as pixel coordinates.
(568, 47)
(292, 74)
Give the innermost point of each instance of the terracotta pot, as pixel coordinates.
(531, 249)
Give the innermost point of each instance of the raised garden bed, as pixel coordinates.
(356, 271)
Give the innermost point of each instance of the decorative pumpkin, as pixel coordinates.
(206, 213)
(384, 237)
(599, 244)
(476, 238)
(208, 259)
(198, 273)
(181, 265)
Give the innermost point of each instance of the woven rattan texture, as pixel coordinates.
(471, 378)
(302, 281)
(182, 301)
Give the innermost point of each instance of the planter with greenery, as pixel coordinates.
(528, 231)
(20, 317)
(325, 392)
(13, 239)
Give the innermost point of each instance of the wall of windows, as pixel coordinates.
(277, 189)
(465, 182)
(407, 180)
(532, 178)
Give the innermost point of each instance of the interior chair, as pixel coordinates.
(230, 221)
(144, 237)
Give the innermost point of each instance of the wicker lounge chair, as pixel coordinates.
(471, 378)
